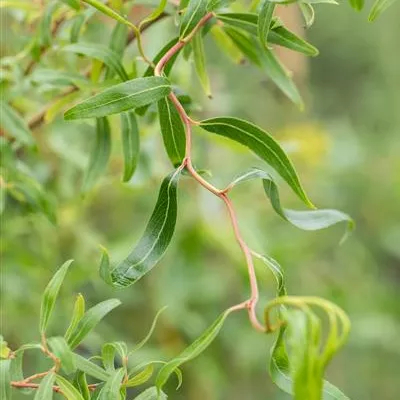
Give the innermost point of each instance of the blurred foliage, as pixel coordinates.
(345, 145)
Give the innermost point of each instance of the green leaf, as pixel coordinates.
(149, 333)
(196, 348)
(151, 393)
(101, 53)
(91, 318)
(99, 155)
(45, 390)
(118, 41)
(81, 384)
(130, 144)
(378, 8)
(60, 348)
(195, 11)
(280, 76)
(50, 295)
(5, 380)
(45, 30)
(141, 377)
(13, 124)
(4, 349)
(224, 42)
(76, 27)
(173, 131)
(56, 77)
(155, 13)
(108, 354)
(77, 314)
(245, 21)
(306, 220)
(111, 389)
(72, 3)
(357, 4)
(215, 4)
(308, 13)
(277, 272)
(68, 390)
(264, 20)
(262, 144)
(122, 97)
(90, 368)
(109, 12)
(200, 63)
(156, 238)
(16, 370)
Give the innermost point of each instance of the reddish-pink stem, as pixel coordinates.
(187, 162)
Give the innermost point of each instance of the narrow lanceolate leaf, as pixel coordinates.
(108, 352)
(225, 43)
(130, 143)
(307, 220)
(196, 348)
(60, 348)
(45, 390)
(76, 27)
(173, 131)
(245, 21)
(91, 318)
(5, 380)
(99, 155)
(156, 238)
(50, 295)
(200, 63)
(101, 53)
(81, 384)
(264, 20)
(77, 314)
(141, 377)
(13, 124)
(280, 76)
(357, 4)
(262, 144)
(195, 11)
(90, 368)
(151, 393)
(156, 13)
(378, 8)
(111, 389)
(72, 3)
(118, 40)
(122, 97)
(68, 390)
(46, 36)
(99, 5)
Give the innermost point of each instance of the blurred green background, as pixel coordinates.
(346, 147)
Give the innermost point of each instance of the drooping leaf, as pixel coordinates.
(155, 13)
(99, 155)
(151, 393)
(118, 40)
(141, 377)
(112, 386)
(244, 44)
(122, 97)
(173, 131)
(81, 384)
(50, 295)
(60, 348)
(244, 21)
(283, 37)
(77, 314)
(156, 238)
(5, 380)
(196, 348)
(13, 124)
(378, 8)
(45, 390)
(307, 220)
(90, 368)
(200, 63)
(262, 144)
(101, 53)
(195, 11)
(264, 20)
(91, 318)
(130, 144)
(68, 390)
(108, 352)
(225, 43)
